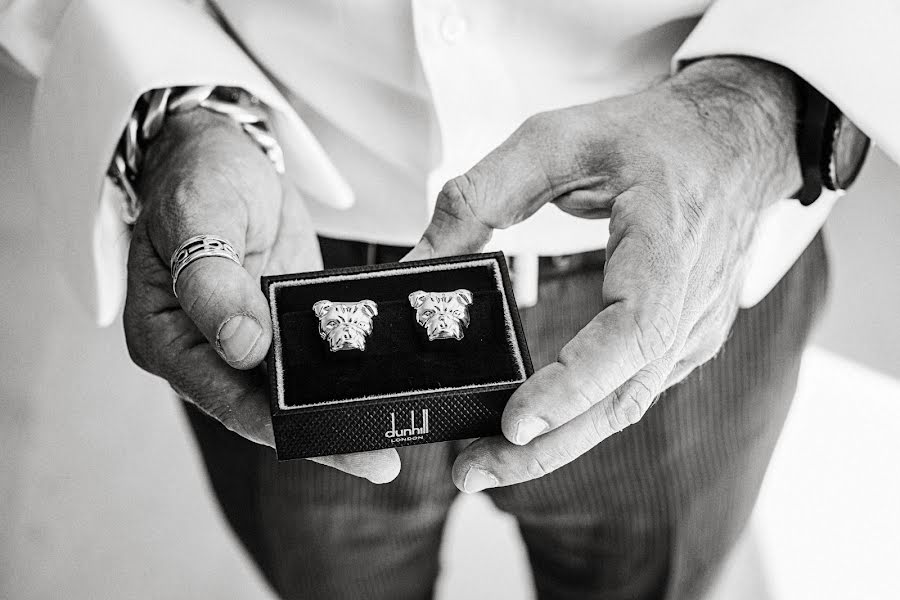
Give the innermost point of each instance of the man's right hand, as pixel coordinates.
(203, 175)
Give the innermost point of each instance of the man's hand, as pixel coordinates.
(203, 175)
(683, 170)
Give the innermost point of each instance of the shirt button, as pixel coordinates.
(453, 28)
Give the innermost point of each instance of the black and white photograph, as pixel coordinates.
(449, 299)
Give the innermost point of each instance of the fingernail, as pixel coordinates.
(477, 480)
(529, 428)
(237, 336)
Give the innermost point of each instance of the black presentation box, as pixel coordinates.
(403, 389)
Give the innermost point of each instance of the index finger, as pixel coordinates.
(532, 167)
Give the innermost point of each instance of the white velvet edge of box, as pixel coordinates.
(511, 337)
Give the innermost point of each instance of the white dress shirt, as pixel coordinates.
(377, 104)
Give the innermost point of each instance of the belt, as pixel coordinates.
(526, 271)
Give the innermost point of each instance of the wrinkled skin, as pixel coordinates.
(683, 171)
(203, 175)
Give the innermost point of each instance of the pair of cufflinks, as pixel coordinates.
(346, 325)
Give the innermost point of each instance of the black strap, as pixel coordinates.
(814, 139)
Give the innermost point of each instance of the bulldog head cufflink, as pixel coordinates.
(345, 325)
(444, 315)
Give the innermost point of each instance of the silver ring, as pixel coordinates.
(345, 325)
(200, 246)
(444, 315)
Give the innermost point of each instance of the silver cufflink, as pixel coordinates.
(345, 325)
(444, 315)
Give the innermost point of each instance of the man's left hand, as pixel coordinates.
(683, 171)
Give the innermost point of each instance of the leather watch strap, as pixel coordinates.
(815, 133)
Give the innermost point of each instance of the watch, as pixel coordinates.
(831, 148)
(150, 113)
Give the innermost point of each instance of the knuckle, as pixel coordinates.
(569, 354)
(602, 423)
(574, 354)
(184, 201)
(178, 197)
(539, 123)
(628, 404)
(585, 391)
(541, 464)
(656, 327)
(644, 386)
(459, 203)
(201, 288)
(609, 420)
(533, 123)
(456, 196)
(631, 405)
(185, 194)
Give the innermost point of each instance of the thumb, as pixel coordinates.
(504, 188)
(220, 296)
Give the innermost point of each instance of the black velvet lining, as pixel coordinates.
(398, 356)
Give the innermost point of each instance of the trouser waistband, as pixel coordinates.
(524, 273)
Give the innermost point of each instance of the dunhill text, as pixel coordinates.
(409, 433)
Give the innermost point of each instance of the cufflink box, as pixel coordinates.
(402, 389)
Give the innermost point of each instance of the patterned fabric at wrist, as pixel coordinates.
(148, 118)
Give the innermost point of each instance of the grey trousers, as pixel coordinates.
(649, 513)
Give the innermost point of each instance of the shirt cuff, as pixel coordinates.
(847, 54)
(107, 53)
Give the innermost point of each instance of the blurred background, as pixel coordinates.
(102, 494)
